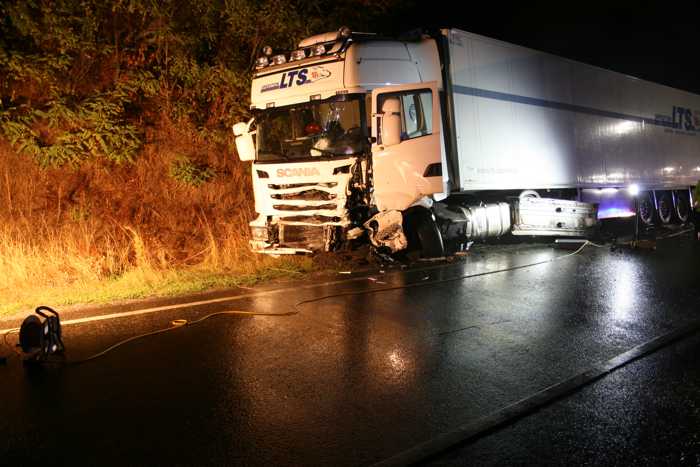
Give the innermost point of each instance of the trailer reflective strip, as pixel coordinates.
(502, 96)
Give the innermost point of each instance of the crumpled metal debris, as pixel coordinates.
(385, 230)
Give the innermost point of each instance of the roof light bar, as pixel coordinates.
(297, 55)
(261, 62)
(279, 59)
(318, 49)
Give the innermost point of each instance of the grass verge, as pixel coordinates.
(139, 283)
(66, 268)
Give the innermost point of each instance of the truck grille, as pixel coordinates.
(302, 185)
(305, 197)
(316, 219)
(292, 207)
(321, 202)
(302, 236)
(316, 195)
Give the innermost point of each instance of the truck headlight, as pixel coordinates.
(259, 233)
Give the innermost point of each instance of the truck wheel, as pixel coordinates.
(645, 208)
(422, 232)
(528, 194)
(682, 207)
(665, 207)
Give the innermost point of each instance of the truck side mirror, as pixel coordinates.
(391, 121)
(245, 146)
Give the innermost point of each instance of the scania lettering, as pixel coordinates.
(304, 172)
(432, 141)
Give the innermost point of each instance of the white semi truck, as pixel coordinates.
(435, 140)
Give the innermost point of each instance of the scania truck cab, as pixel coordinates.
(321, 166)
(433, 141)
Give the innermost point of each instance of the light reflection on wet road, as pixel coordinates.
(350, 380)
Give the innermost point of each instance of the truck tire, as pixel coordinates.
(422, 232)
(645, 208)
(682, 206)
(528, 194)
(664, 206)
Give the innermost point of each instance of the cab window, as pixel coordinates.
(416, 112)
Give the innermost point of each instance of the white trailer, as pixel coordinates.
(454, 136)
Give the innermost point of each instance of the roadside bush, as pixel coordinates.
(188, 172)
(115, 125)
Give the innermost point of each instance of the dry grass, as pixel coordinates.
(69, 267)
(101, 233)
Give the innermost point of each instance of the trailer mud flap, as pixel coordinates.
(555, 217)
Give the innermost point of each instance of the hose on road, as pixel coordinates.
(296, 308)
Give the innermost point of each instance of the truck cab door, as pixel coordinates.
(406, 153)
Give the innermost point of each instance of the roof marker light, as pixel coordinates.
(297, 55)
(279, 59)
(318, 49)
(261, 62)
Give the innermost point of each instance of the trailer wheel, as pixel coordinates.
(528, 194)
(664, 207)
(682, 207)
(645, 208)
(422, 232)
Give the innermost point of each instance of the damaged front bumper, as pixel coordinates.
(277, 237)
(269, 249)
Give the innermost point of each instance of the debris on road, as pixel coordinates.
(375, 280)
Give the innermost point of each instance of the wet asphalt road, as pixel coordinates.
(647, 413)
(354, 379)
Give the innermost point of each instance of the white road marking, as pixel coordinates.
(211, 301)
(232, 298)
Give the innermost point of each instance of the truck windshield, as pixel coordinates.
(314, 129)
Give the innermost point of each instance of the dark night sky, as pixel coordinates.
(657, 41)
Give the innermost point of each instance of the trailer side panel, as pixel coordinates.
(527, 119)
